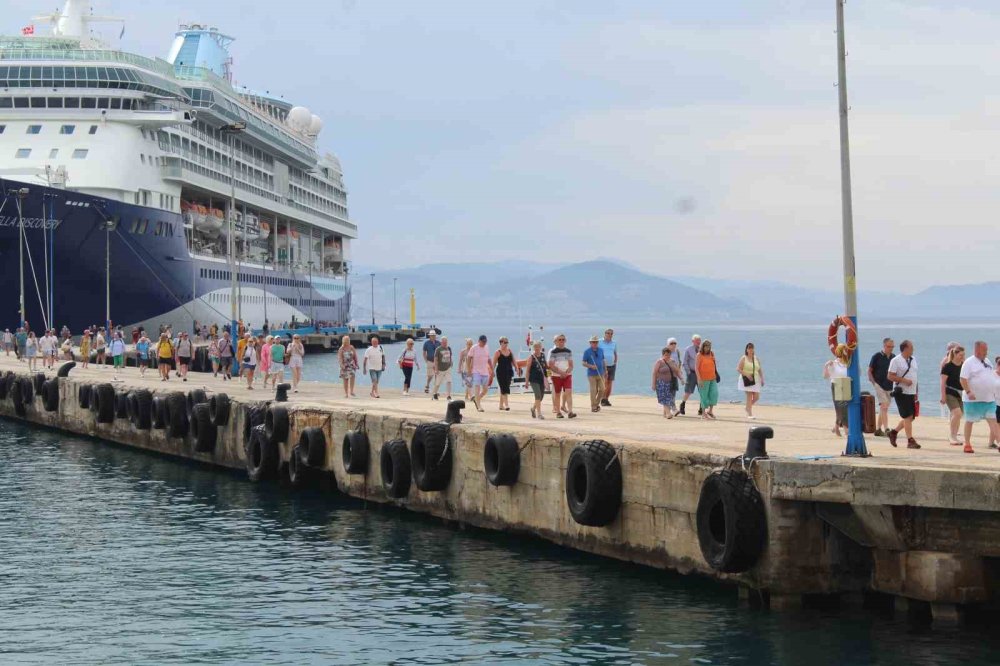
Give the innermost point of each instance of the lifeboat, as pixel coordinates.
(187, 213)
(265, 230)
(251, 227)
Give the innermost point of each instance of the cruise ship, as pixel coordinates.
(150, 191)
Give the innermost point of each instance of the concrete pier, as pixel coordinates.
(920, 526)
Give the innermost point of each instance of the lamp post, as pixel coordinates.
(373, 298)
(230, 130)
(395, 320)
(109, 226)
(21, 194)
(312, 310)
(855, 435)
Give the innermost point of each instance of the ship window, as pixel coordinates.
(6, 102)
(67, 129)
(72, 102)
(116, 103)
(80, 154)
(135, 225)
(54, 153)
(2, 128)
(144, 227)
(89, 103)
(159, 229)
(20, 102)
(38, 102)
(102, 102)
(55, 102)
(22, 153)
(93, 129)
(34, 129)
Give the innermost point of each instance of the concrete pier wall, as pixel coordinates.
(825, 534)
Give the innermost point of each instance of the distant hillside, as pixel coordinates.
(531, 290)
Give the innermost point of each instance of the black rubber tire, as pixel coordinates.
(312, 443)
(9, 380)
(142, 409)
(594, 483)
(299, 473)
(27, 389)
(394, 464)
(176, 413)
(158, 413)
(430, 456)
(502, 460)
(355, 451)
(83, 394)
(21, 386)
(253, 416)
(203, 431)
(104, 404)
(65, 368)
(121, 405)
(276, 424)
(50, 395)
(732, 526)
(262, 458)
(195, 397)
(93, 399)
(5, 385)
(218, 406)
(37, 382)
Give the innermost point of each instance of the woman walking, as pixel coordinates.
(85, 349)
(373, 363)
(708, 379)
(464, 369)
(251, 356)
(213, 354)
(833, 370)
(666, 381)
(951, 391)
(750, 377)
(503, 361)
(278, 355)
(31, 351)
(538, 377)
(348, 358)
(164, 352)
(264, 367)
(142, 353)
(296, 360)
(407, 361)
(185, 350)
(117, 349)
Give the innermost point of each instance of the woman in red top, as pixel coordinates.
(407, 361)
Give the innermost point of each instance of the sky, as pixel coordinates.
(687, 138)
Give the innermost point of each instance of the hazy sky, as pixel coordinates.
(685, 137)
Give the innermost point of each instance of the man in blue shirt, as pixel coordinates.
(610, 349)
(430, 347)
(597, 370)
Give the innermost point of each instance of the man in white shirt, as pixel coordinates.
(373, 362)
(8, 341)
(903, 372)
(978, 401)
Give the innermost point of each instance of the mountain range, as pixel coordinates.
(608, 287)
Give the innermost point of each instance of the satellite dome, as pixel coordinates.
(315, 125)
(299, 118)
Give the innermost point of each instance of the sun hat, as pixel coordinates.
(671, 341)
(594, 338)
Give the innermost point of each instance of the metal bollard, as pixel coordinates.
(281, 392)
(756, 442)
(454, 413)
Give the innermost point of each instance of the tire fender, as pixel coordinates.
(218, 405)
(312, 446)
(594, 483)
(262, 459)
(430, 456)
(104, 404)
(502, 460)
(394, 463)
(202, 429)
(276, 424)
(732, 526)
(355, 452)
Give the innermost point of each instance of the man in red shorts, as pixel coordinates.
(561, 366)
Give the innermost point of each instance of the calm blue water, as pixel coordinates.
(792, 356)
(119, 557)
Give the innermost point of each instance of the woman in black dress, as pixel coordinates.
(503, 361)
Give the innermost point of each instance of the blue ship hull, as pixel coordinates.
(154, 279)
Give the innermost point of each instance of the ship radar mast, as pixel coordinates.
(74, 22)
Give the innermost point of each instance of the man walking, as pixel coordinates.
(878, 375)
(430, 346)
(481, 365)
(979, 382)
(610, 350)
(593, 360)
(442, 368)
(689, 366)
(8, 341)
(903, 371)
(22, 340)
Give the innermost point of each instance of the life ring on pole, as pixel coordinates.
(833, 332)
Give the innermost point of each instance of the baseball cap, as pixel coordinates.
(482, 338)
(671, 341)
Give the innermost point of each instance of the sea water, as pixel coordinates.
(115, 556)
(791, 357)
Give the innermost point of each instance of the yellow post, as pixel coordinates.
(413, 309)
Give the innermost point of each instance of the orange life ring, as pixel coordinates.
(833, 331)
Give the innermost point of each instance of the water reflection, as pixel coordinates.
(116, 556)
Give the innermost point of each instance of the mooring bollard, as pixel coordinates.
(454, 413)
(756, 442)
(281, 392)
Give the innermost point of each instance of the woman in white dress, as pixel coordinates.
(750, 378)
(833, 370)
(296, 352)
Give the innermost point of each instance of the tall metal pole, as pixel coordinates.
(107, 277)
(20, 249)
(232, 240)
(395, 320)
(373, 299)
(45, 264)
(312, 310)
(855, 435)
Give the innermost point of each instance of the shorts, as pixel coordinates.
(466, 380)
(538, 390)
(277, 370)
(881, 395)
(295, 362)
(611, 372)
(953, 402)
(906, 405)
(120, 360)
(184, 360)
(691, 383)
(375, 375)
(479, 379)
(168, 362)
(560, 384)
(225, 361)
(979, 410)
(143, 362)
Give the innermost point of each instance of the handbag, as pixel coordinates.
(898, 388)
(750, 381)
